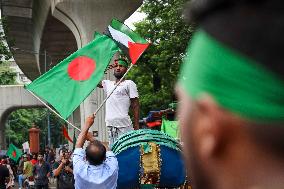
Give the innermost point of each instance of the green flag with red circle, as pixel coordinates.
(67, 84)
(14, 153)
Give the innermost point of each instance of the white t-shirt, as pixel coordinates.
(117, 106)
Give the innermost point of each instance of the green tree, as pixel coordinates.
(7, 76)
(20, 121)
(18, 124)
(157, 70)
(5, 53)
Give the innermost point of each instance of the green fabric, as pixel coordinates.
(143, 135)
(236, 82)
(122, 63)
(66, 94)
(147, 186)
(141, 138)
(170, 127)
(14, 153)
(117, 25)
(147, 148)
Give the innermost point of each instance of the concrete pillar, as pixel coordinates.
(84, 17)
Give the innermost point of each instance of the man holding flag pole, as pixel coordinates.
(122, 94)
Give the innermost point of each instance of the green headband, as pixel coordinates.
(234, 81)
(122, 63)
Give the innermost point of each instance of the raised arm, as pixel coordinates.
(82, 136)
(57, 171)
(79, 153)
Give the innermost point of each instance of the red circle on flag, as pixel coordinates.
(81, 68)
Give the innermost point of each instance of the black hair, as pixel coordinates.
(252, 27)
(40, 153)
(95, 153)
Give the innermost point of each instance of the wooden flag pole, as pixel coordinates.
(53, 111)
(121, 79)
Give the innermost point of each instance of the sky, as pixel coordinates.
(135, 17)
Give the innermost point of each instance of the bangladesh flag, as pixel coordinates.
(67, 84)
(130, 42)
(14, 153)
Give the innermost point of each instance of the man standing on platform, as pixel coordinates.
(117, 106)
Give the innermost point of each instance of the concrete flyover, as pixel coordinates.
(13, 97)
(60, 27)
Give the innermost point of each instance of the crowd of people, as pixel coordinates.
(37, 170)
(42, 166)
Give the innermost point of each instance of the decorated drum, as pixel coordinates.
(148, 157)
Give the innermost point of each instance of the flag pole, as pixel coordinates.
(101, 105)
(53, 111)
(121, 79)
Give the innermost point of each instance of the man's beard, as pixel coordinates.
(118, 75)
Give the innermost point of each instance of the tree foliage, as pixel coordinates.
(157, 70)
(5, 53)
(20, 121)
(7, 76)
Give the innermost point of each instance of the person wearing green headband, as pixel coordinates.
(231, 92)
(122, 62)
(117, 106)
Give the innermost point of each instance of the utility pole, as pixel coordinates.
(48, 128)
(48, 114)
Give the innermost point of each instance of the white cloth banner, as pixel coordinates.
(26, 145)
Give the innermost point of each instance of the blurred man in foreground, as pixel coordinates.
(231, 89)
